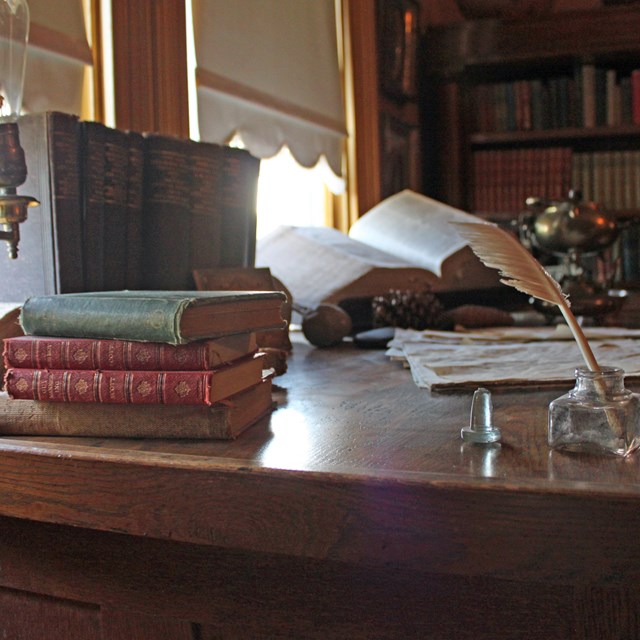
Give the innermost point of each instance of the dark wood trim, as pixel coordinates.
(150, 66)
(362, 21)
(565, 36)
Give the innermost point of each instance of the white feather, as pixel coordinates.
(501, 250)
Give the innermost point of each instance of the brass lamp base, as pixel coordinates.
(13, 172)
(13, 211)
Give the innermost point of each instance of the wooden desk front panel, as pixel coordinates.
(355, 511)
(74, 583)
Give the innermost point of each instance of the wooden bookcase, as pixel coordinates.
(463, 64)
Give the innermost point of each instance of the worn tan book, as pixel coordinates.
(405, 242)
(224, 420)
(9, 328)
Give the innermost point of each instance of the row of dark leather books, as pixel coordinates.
(140, 364)
(123, 209)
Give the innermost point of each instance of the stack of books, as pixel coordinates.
(140, 364)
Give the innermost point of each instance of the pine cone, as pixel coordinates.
(408, 310)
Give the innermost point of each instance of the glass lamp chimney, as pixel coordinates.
(14, 35)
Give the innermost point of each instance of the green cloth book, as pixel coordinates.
(174, 317)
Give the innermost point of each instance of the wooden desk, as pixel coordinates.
(355, 511)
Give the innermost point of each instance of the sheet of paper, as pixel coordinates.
(413, 227)
(315, 262)
(440, 366)
(509, 334)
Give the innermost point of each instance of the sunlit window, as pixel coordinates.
(289, 194)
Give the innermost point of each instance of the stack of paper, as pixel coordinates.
(510, 356)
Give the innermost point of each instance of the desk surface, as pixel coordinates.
(356, 464)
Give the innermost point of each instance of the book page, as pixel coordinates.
(413, 227)
(314, 262)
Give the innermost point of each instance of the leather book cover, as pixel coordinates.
(134, 387)
(114, 229)
(205, 175)
(224, 420)
(166, 259)
(135, 176)
(41, 352)
(93, 177)
(175, 317)
(238, 194)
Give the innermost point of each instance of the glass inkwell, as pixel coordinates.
(599, 415)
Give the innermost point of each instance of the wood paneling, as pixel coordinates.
(150, 61)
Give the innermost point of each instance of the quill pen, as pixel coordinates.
(518, 268)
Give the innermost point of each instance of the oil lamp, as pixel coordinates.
(14, 35)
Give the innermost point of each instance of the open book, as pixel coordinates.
(404, 242)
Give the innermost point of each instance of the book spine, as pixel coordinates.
(150, 318)
(238, 192)
(66, 200)
(588, 77)
(206, 221)
(93, 172)
(116, 154)
(166, 261)
(109, 387)
(154, 320)
(135, 181)
(77, 353)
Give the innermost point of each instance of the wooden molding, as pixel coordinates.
(150, 66)
(365, 102)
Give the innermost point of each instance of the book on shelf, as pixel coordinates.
(503, 179)
(135, 387)
(41, 352)
(224, 420)
(50, 253)
(592, 95)
(175, 317)
(610, 178)
(404, 242)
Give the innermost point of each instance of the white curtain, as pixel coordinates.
(57, 56)
(268, 71)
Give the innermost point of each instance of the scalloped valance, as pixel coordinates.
(268, 71)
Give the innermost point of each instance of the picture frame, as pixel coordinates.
(398, 33)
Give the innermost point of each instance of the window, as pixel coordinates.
(277, 88)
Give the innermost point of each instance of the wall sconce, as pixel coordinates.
(14, 35)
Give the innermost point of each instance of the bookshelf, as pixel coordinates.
(503, 101)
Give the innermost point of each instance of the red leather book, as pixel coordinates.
(134, 387)
(39, 352)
